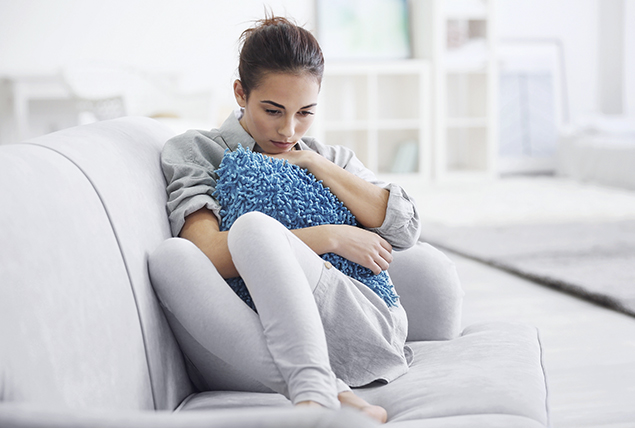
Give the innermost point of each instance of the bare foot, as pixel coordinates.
(348, 398)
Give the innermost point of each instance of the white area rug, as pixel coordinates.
(595, 261)
(576, 237)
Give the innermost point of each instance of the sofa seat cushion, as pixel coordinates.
(490, 376)
(493, 368)
(209, 400)
(471, 421)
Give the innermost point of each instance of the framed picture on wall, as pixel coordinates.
(364, 29)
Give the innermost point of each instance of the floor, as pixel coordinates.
(589, 350)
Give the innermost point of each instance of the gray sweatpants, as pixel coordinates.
(283, 348)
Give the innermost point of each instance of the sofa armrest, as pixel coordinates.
(21, 415)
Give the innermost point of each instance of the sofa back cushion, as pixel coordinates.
(81, 326)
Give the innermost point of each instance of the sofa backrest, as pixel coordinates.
(80, 326)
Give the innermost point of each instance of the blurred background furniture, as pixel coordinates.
(600, 150)
(89, 91)
(444, 93)
(381, 110)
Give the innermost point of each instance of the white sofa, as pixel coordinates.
(84, 343)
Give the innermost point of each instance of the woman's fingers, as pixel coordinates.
(386, 254)
(365, 248)
(382, 257)
(386, 244)
(380, 266)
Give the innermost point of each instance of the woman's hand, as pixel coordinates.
(301, 158)
(362, 247)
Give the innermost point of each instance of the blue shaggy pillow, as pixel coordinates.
(250, 181)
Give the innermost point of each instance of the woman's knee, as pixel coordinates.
(252, 228)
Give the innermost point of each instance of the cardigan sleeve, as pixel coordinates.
(189, 162)
(401, 226)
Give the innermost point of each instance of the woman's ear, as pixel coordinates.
(239, 93)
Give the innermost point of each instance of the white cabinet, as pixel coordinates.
(381, 110)
(458, 37)
(430, 118)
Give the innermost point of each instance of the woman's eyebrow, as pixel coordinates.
(280, 106)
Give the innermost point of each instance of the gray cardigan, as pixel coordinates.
(190, 160)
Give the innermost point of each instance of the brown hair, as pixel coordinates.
(275, 44)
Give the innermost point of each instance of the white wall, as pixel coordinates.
(196, 39)
(611, 57)
(574, 24)
(629, 58)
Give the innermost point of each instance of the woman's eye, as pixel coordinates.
(306, 113)
(273, 112)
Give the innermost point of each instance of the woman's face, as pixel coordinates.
(279, 111)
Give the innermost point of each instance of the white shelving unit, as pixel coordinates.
(458, 37)
(381, 110)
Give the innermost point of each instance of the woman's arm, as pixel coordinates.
(366, 201)
(342, 170)
(358, 245)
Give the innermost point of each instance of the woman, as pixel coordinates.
(317, 332)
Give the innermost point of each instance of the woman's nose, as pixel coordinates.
(287, 129)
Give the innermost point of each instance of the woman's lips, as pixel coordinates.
(282, 144)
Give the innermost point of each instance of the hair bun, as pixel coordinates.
(276, 44)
